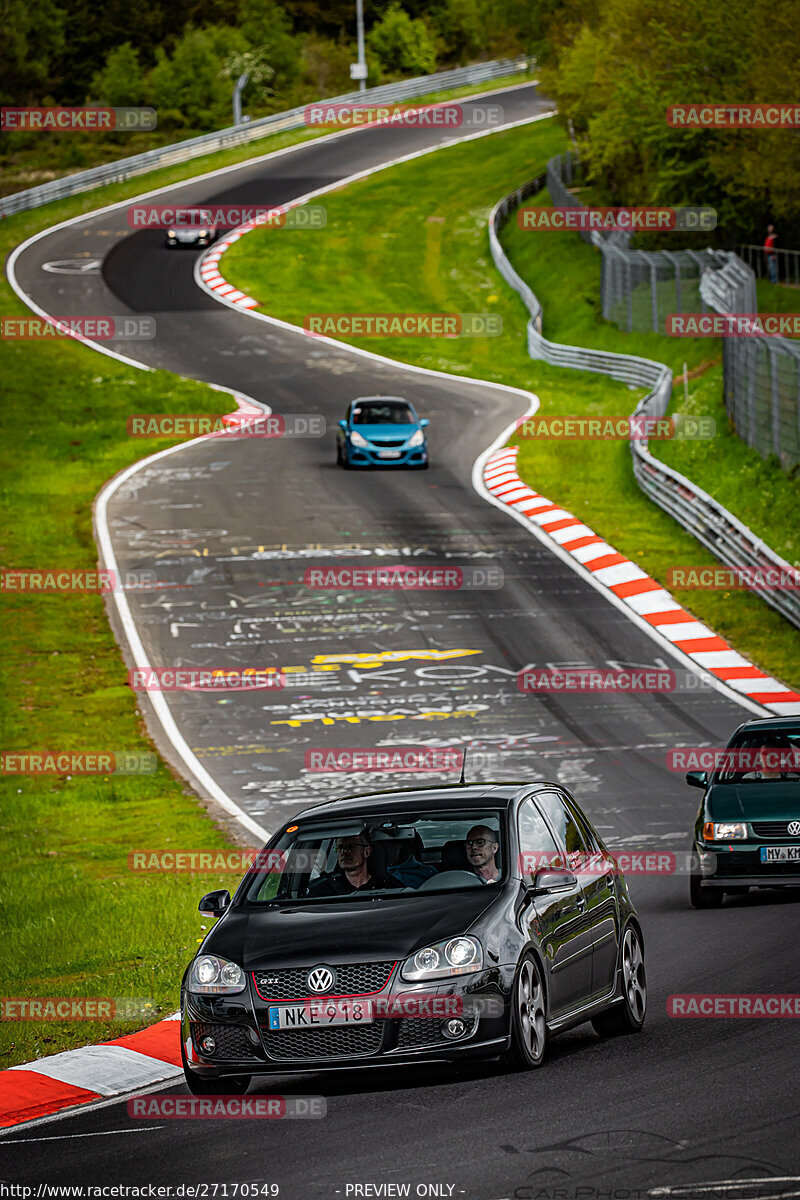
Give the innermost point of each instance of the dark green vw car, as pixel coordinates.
(747, 832)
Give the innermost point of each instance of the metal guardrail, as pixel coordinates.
(224, 139)
(713, 525)
(788, 263)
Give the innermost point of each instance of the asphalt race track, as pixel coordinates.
(230, 529)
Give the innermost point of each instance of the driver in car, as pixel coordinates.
(353, 873)
(774, 761)
(481, 845)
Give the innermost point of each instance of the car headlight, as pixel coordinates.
(417, 439)
(170, 233)
(456, 956)
(724, 831)
(217, 976)
(357, 439)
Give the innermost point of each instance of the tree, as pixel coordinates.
(268, 29)
(121, 81)
(189, 84)
(460, 28)
(401, 44)
(33, 34)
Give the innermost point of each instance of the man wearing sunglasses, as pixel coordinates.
(353, 873)
(481, 845)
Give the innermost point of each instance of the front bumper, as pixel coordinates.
(246, 1046)
(359, 456)
(740, 865)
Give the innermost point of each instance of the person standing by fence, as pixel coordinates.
(771, 254)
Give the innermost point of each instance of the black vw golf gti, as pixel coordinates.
(414, 926)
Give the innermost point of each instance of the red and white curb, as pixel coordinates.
(91, 1073)
(209, 268)
(636, 590)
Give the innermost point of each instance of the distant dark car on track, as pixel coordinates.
(747, 832)
(196, 235)
(381, 431)
(363, 912)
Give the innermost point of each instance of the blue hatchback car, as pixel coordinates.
(381, 431)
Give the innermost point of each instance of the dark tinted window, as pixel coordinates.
(565, 827)
(385, 412)
(536, 842)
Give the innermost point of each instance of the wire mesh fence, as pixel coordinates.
(641, 288)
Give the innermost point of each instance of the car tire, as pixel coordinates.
(701, 897)
(339, 454)
(228, 1085)
(628, 1016)
(528, 1017)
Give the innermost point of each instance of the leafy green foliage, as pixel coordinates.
(402, 44)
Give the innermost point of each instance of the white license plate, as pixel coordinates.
(771, 854)
(319, 1014)
(389, 453)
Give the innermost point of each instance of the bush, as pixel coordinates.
(402, 46)
(121, 80)
(191, 81)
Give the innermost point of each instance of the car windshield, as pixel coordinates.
(761, 757)
(383, 412)
(379, 855)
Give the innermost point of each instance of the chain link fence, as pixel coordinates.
(641, 288)
(714, 526)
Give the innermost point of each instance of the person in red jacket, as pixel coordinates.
(771, 255)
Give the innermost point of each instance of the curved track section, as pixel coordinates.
(231, 530)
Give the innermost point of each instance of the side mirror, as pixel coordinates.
(343, 424)
(424, 422)
(215, 903)
(697, 778)
(548, 880)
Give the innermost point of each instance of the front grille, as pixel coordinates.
(344, 1041)
(418, 1031)
(232, 1040)
(771, 829)
(383, 442)
(352, 979)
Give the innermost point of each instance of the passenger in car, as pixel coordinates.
(410, 870)
(353, 872)
(481, 845)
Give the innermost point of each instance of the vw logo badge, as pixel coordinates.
(320, 979)
(794, 828)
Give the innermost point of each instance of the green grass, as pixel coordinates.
(76, 921)
(418, 233)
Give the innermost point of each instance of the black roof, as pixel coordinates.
(471, 795)
(767, 723)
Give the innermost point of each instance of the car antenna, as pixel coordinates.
(462, 782)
